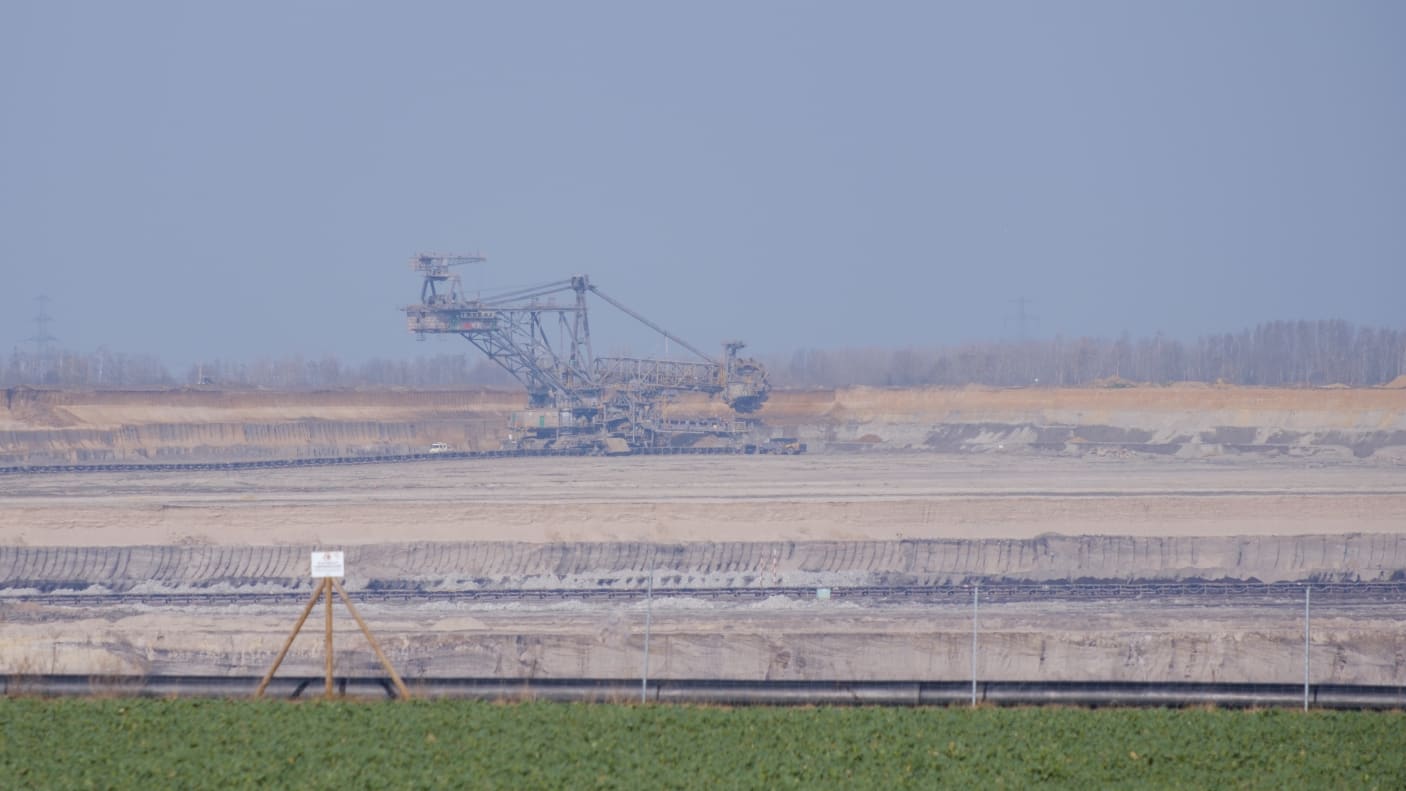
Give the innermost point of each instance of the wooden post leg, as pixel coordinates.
(386, 663)
(316, 594)
(327, 585)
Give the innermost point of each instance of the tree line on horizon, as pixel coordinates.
(1274, 354)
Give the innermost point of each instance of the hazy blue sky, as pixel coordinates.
(240, 179)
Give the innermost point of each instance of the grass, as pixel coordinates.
(191, 743)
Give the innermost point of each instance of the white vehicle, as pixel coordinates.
(439, 447)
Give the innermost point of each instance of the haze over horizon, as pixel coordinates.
(202, 181)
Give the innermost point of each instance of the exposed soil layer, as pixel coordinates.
(46, 427)
(433, 567)
(777, 639)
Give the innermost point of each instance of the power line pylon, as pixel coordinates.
(42, 339)
(1023, 319)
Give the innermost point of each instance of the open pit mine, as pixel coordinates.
(1146, 534)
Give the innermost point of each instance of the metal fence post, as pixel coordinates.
(648, 616)
(1306, 590)
(976, 597)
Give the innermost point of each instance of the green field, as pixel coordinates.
(143, 743)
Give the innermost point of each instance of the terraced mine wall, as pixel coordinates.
(46, 426)
(811, 641)
(1188, 420)
(699, 636)
(626, 566)
(50, 426)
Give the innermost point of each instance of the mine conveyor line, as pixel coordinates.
(1199, 593)
(724, 692)
(328, 461)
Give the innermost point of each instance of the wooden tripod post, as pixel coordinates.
(326, 586)
(297, 627)
(366, 630)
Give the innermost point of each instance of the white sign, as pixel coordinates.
(327, 564)
(822, 593)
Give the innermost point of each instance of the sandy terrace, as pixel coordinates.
(680, 499)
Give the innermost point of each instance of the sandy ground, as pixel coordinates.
(681, 499)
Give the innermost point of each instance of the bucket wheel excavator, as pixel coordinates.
(577, 400)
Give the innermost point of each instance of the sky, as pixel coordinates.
(209, 181)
